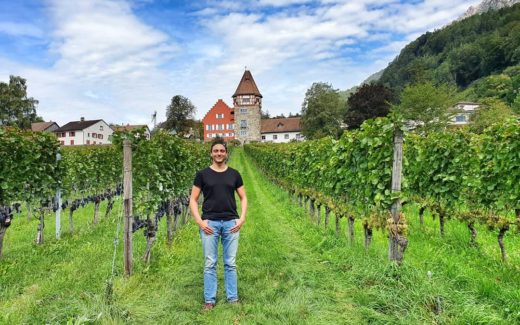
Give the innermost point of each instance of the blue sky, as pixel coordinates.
(121, 60)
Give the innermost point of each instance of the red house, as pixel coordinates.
(219, 122)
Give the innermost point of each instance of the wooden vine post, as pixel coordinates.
(397, 239)
(127, 203)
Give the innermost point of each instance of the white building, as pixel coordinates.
(84, 133)
(463, 111)
(281, 130)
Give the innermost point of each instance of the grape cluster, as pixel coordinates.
(107, 195)
(151, 227)
(6, 215)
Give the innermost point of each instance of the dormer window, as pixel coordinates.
(280, 125)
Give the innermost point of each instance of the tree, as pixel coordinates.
(321, 111)
(179, 115)
(491, 111)
(16, 109)
(427, 105)
(369, 101)
(495, 86)
(265, 114)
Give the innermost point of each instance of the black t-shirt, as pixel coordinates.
(218, 189)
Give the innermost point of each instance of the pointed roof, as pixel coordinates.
(247, 86)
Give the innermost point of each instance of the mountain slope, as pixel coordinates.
(461, 53)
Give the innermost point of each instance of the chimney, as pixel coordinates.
(82, 119)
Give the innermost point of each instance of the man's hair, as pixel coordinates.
(218, 140)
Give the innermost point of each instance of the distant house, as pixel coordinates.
(44, 126)
(281, 130)
(84, 133)
(219, 121)
(130, 128)
(463, 112)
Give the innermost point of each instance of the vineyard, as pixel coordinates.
(469, 177)
(47, 180)
(310, 251)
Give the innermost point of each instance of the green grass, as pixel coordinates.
(290, 272)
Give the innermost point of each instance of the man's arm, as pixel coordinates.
(243, 209)
(194, 207)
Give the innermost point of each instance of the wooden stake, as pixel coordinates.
(397, 241)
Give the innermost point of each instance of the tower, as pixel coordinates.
(247, 103)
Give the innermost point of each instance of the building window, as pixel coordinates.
(245, 100)
(88, 135)
(94, 135)
(275, 137)
(100, 136)
(219, 116)
(243, 124)
(460, 118)
(243, 110)
(71, 142)
(72, 134)
(88, 141)
(220, 126)
(94, 142)
(231, 126)
(62, 142)
(243, 132)
(263, 137)
(101, 128)
(286, 136)
(297, 135)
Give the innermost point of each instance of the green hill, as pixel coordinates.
(462, 52)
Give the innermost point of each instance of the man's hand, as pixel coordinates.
(205, 227)
(237, 227)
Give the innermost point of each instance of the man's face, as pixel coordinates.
(218, 153)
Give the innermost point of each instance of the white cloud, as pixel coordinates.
(292, 48)
(108, 65)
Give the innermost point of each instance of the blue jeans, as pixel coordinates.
(210, 250)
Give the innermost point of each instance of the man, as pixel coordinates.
(219, 221)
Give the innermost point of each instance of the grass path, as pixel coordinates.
(290, 272)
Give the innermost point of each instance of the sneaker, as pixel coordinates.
(208, 306)
(234, 302)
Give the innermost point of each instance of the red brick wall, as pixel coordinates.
(211, 119)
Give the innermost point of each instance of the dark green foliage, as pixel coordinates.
(369, 101)
(462, 52)
(28, 165)
(16, 109)
(321, 111)
(426, 105)
(179, 115)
